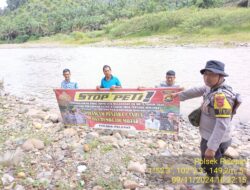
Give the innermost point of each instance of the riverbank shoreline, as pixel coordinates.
(38, 152)
(142, 42)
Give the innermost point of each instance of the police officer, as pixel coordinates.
(216, 113)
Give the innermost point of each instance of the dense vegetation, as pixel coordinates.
(26, 20)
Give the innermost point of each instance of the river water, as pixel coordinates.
(36, 71)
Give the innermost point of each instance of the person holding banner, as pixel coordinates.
(168, 83)
(215, 116)
(66, 83)
(170, 80)
(109, 81)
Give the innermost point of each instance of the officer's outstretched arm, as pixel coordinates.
(192, 93)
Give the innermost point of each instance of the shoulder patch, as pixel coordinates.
(222, 107)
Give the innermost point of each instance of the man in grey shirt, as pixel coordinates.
(170, 80)
(216, 113)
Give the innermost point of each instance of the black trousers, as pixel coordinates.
(210, 169)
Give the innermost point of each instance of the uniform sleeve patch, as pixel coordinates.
(221, 106)
(220, 101)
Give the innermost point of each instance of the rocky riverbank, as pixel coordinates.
(38, 152)
(142, 42)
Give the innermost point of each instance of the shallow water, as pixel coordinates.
(36, 71)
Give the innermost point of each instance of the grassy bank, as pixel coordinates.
(220, 25)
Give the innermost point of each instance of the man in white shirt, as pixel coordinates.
(152, 123)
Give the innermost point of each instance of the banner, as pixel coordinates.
(123, 109)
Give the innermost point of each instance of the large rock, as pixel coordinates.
(136, 167)
(31, 99)
(36, 114)
(23, 110)
(108, 139)
(44, 175)
(92, 136)
(19, 187)
(232, 153)
(128, 184)
(30, 144)
(45, 109)
(81, 168)
(105, 131)
(69, 132)
(11, 157)
(117, 135)
(236, 142)
(161, 144)
(21, 175)
(247, 173)
(37, 125)
(54, 118)
(86, 148)
(132, 134)
(38, 144)
(7, 179)
(166, 153)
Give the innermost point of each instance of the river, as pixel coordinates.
(36, 71)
